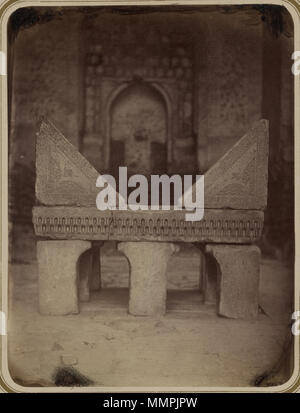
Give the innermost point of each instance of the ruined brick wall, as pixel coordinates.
(44, 83)
(122, 52)
(278, 107)
(229, 81)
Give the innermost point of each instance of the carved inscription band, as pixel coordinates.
(226, 226)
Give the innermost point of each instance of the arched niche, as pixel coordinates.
(139, 128)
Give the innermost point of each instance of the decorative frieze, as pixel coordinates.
(223, 226)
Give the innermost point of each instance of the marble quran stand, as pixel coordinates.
(70, 230)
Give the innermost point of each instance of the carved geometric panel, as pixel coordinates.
(63, 175)
(240, 178)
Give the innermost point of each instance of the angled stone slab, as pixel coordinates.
(239, 180)
(63, 175)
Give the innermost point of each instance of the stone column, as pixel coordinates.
(238, 282)
(89, 272)
(84, 274)
(95, 275)
(148, 283)
(202, 267)
(211, 280)
(57, 261)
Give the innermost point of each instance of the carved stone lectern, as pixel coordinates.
(68, 226)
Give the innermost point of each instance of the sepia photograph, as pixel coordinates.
(151, 197)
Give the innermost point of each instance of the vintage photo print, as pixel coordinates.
(149, 176)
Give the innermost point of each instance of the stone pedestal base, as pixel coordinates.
(237, 279)
(148, 284)
(57, 261)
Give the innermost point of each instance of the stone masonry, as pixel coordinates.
(236, 188)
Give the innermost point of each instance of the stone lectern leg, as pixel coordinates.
(95, 274)
(238, 279)
(148, 283)
(210, 280)
(57, 262)
(85, 269)
(89, 272)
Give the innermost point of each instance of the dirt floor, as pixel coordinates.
(190, 346)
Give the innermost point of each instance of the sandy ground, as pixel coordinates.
(190, 346)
